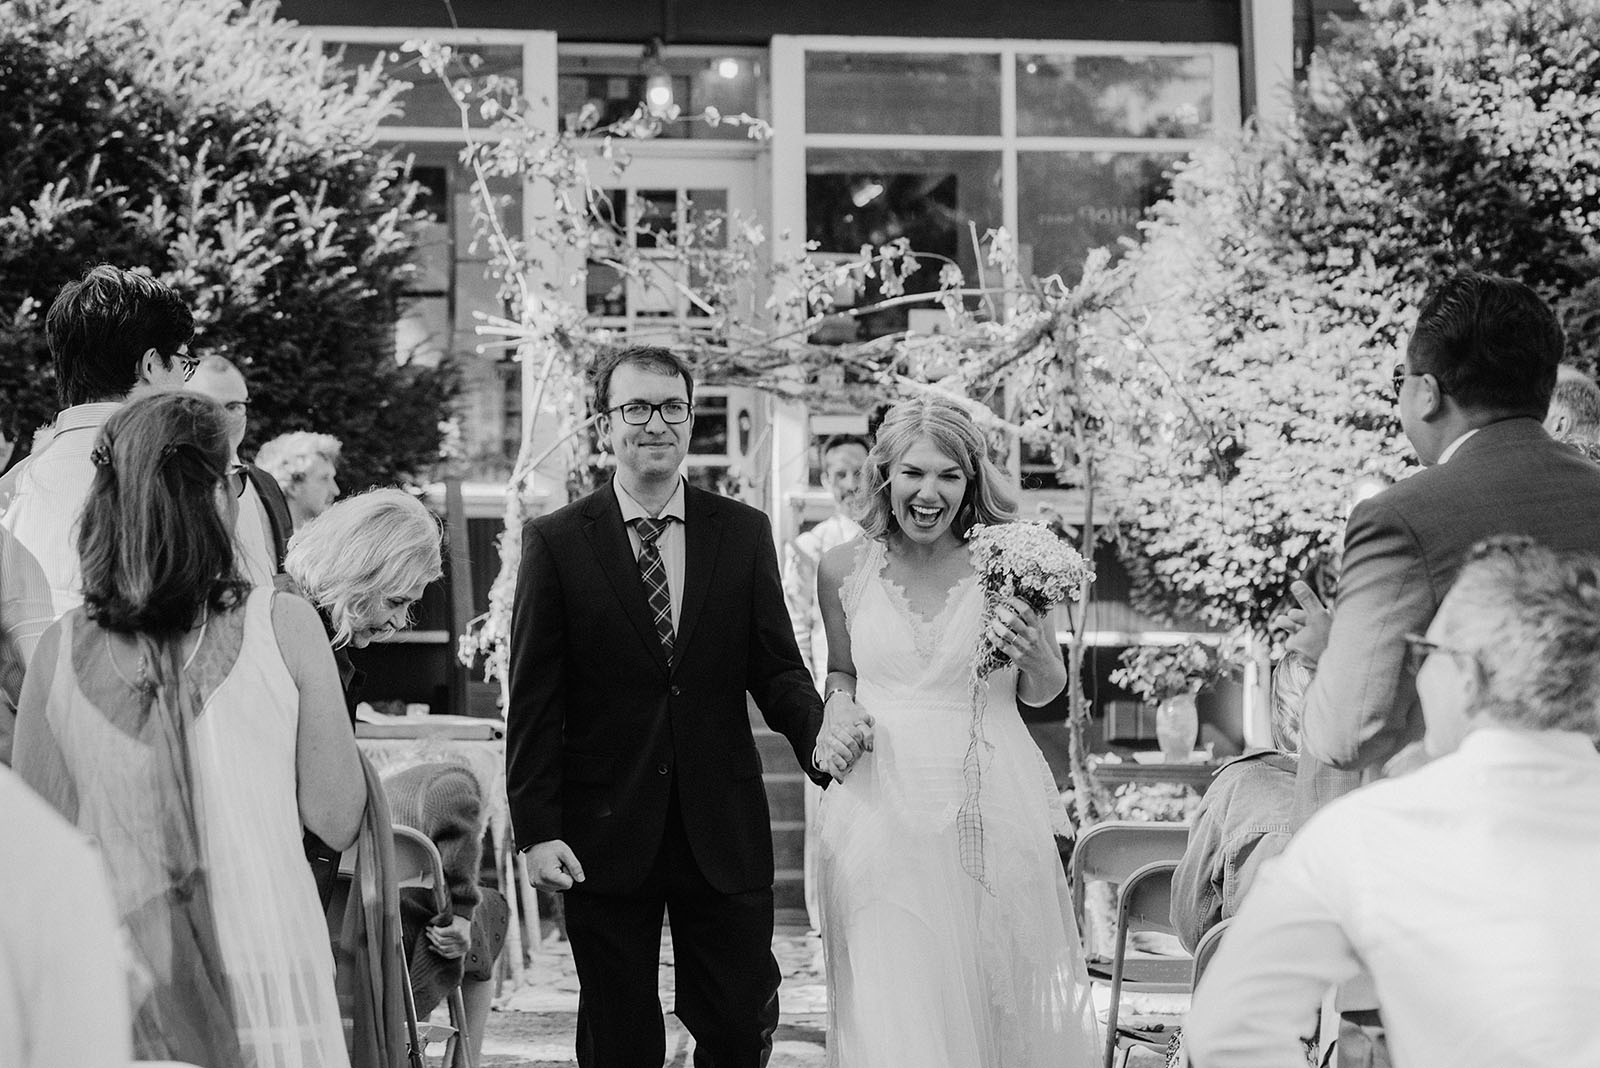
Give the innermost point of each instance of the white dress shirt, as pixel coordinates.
(1466, 889)
(1451, 449)
(41, 499)
(671, 544)
(252, 539)
(63, 986)
(800, 559)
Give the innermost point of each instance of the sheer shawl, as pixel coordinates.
(126, 777)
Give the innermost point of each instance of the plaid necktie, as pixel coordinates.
(654, 573)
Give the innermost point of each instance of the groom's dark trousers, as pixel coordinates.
(646, 767)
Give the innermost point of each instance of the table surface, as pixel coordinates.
(1196, 776)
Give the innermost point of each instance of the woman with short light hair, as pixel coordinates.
(365, 562)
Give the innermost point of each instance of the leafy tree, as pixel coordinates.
(215, 146)
(1270, 296)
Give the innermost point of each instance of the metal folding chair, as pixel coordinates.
(1109, 852)
(417, 863)
(1144, 906)
(1208, 949)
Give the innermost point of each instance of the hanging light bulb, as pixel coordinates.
(658, 92)
(728, 67)
(657, 82)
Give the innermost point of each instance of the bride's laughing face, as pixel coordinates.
(926, 488)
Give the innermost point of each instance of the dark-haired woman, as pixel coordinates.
(191, 725)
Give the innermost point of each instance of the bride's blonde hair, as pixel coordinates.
(991, 495)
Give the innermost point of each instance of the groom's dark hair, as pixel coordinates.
(652, 358)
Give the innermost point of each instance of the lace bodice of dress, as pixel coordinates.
(896, 646)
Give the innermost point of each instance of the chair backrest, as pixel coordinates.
(417, 863)
(1146, 898)
(1208, 949)
(1110, 852)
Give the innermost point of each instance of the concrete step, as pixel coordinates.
(789, 889)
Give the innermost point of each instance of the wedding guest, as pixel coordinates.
(63, 991)
(843, 457)
(644, 615)
(1574, 414)
(1464, 888)
(107, 332)
(1245, 818)
(363, 564)
(1474, 386)
(304, 465)
(263, 526)
(191, 725)
(443, 800)
(946, 916)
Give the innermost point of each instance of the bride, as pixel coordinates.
(941, 952)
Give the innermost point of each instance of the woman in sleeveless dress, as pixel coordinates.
(947, 923)
(191, 725)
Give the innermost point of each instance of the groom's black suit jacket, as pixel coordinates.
(599, 730)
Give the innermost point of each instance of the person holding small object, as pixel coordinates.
(946, 917)
(1464, 888)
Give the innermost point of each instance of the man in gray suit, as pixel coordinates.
(1473, 391)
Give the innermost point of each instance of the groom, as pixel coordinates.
(643, 614)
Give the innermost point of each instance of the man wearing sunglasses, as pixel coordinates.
(262, 525)
(1472, 393)
(108, 332)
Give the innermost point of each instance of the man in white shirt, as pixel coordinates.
(844, 458)
(63, 988)
(261, 527)
(108, 332)
(1466, 888)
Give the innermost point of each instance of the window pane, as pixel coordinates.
(607, 290)
(596, 91)
(902, 93)
(710, 433)
(1071, 202)
(655, 218)
(428, 102)
(707, 212)
(422, 333)
(1114, 96)
(872, 197)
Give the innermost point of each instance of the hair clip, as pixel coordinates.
(100, 455)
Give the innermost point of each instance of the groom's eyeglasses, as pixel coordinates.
(638, 413)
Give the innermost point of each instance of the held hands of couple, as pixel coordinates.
(1307, 626)
(553, 867)
(846, 734)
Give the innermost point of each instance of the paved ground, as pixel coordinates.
(532, 1026)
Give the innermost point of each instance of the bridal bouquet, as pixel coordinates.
(1026, 560)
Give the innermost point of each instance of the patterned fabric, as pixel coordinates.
(654, 573)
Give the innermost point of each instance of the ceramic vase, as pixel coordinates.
(1177, 727)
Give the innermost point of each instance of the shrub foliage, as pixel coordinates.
(1272, 292)
(210, 143)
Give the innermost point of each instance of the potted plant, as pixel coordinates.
(1169, 677)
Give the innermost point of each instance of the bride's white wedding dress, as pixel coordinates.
(926, 967)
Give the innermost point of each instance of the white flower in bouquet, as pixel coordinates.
(1026, 560)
